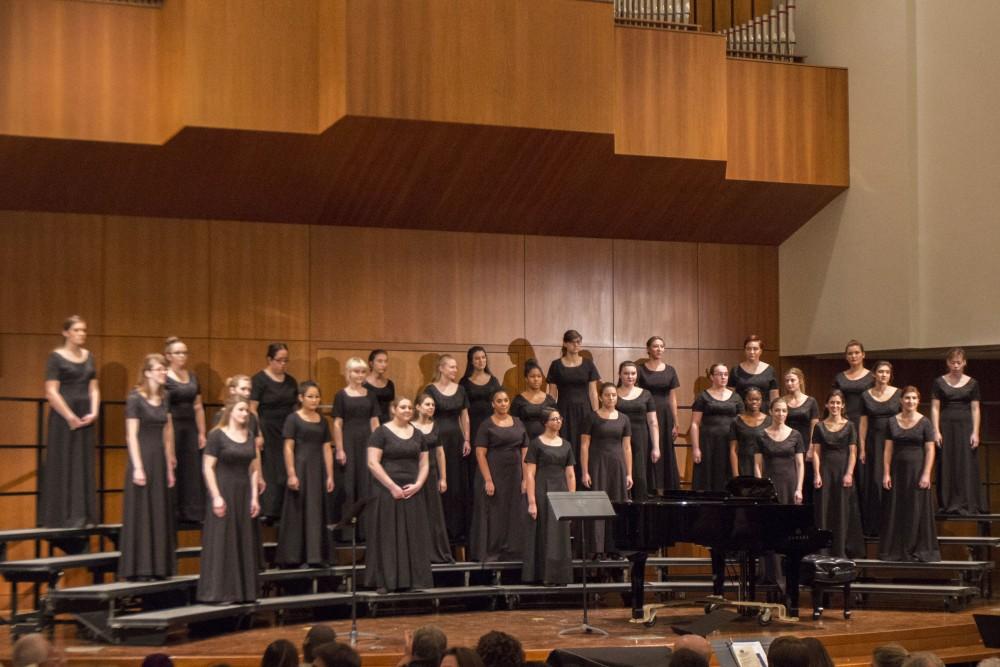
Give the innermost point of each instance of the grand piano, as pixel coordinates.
(745, 521)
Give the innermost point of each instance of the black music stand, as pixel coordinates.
(581, 505)
(349, 518)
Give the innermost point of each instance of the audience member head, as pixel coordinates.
(280, 653)
(922, 659)
(336, 654)
(498, 649)
(818, 655)
(685, 657)
(157, 660)
(317, 636)
(889, 655)
(989, 662)
(34, 649)
(428, 645)
(460, 656)
(787, 651)
(695, 643)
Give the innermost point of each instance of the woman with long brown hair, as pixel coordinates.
(878, 405)
(660, 379)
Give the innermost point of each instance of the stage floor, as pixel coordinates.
(953, 636)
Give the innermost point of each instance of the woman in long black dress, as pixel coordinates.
(273, 396)
(378, 384)
(639, 406)
(835, 449)
(452, 417)
(956, 416)
(498, 523)
(479, 384)
(878, 405)
(68, 490)
(229, 555)
(398, 554)
(712, 415)
(803, 413)
(854, 381)
(572, 379)
(147, 536)
(241, 385)
(606, 464)
(436, 484)
(303, 536)
(548, 466)
(752, 372)
(744, 435)
(530, 405)
(355, 417)
(188, 416)
(660, 379)
(908, 529)
(780, 455)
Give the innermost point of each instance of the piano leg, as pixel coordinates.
(638, 560)
(793, 561)
(718, 571)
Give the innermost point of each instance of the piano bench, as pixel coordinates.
(823, 573)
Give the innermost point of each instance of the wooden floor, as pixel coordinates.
(953, 636)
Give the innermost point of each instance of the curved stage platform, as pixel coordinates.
(953, 636)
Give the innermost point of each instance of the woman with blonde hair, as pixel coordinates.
(355, 416)
(803, 413)
(452, 417)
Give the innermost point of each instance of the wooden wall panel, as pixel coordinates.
(670, 94)
(229, 357)
(332, 74)
(685, 362)
(742, 11)
(156, 277)
(259, 278)
(42, 250)
(703, 15)
(548, 64)
(121, 361)
(571, 288)
(431, 287)
(656, 293)
(797, 133)
(22, 363)
(738, 295)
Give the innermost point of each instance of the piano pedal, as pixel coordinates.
(765, 611)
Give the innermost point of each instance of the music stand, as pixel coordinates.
(582, 505)
(350, 517)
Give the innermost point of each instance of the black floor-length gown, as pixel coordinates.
(384, 396)
(958, 487)
(302, 535)
(879, 413)
(852, 393)
(530, 413)
(908, 529)
(548, 557)
(354, 480)
(741, 381)
(778, 463)
(440, 551)
(573, 383)
(637, 410)
(68, 488)
(276, 400)
(747, 438)
(229, 544)
(608, 471)
(499, 521)
(457, 500)
(664, 474)
(800, 418)
(398, 556)
(189, 491)
(480, 408)
(837, 507)
(147, 535)
(713, 439)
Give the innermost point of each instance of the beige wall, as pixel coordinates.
(882, 262)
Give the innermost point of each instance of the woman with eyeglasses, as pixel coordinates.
(274, 394)
(712, 415)
(188, 414)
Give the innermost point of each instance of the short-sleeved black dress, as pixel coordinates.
(741, 381)
(276, 400)
(384, 396)
(608, 471)
(229, 545)
(499, 521)
(870, 490)
(190, 487)
(68, 488)
(548, 557)
(530, 413)
(853, 389)
(800, 418)
(147, 537)
(958, 487)
(636, 410)
(302, 535)
(713, 439)
(354, 480)
(398, 556)
(573, 383)
(746, 438)
(439, 546)
(908, 529)
(662, 475)
(779, 463)
(836, 506)
(457, 500)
